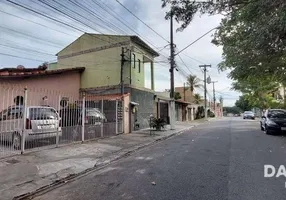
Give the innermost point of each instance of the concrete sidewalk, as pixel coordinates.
(26, 173)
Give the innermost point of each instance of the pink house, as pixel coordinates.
(44, 87)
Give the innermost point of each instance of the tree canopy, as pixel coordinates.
(193, 82)
(252, 33)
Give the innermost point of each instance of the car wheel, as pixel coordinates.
(266, 130)
(261, 127)
(244, 118)
(16, 141)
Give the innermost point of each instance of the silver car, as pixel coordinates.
(248, 115)
(40, 122)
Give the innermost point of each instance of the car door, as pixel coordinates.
(263, 118)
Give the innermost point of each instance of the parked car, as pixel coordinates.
(273, 121)
(41, 122)
(73, 116)
(248, 115)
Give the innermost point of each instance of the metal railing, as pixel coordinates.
(33, 119)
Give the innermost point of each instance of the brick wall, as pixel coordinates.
(188, 94)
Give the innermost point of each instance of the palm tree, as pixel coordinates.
(193, 82)
(197, 99)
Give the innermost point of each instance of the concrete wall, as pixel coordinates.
(145, 99)
(41, 90)
(126, 117)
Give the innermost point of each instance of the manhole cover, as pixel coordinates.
(13, 161)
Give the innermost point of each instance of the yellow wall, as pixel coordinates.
(138, 78)
(103, 67)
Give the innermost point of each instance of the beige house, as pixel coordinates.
(110, 60)
(102, 57)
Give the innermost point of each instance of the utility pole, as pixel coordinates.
(205, 87)
(214, 96)
(123, 60)
(184, 92)
(172, 66)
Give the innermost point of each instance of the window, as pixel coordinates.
(277, 114)
(40, 113)
(139, 65)
(11, 113)
(134, 60)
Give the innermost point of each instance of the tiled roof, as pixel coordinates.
(28, 72)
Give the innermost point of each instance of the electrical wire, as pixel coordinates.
(142, 21)
(196, 40)
(10, 55)
(36, 23)
(26, 49)
(31, 36)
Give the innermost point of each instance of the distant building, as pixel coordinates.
(44, 86)
(185, 93)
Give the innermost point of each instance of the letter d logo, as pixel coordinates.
(269, 171)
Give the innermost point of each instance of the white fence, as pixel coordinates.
(33, 119)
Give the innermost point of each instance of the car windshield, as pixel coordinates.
(42, 113)
(277, 114)
(93, 112)
(248, 112)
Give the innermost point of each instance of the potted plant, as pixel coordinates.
(158, 123)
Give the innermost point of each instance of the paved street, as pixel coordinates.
(223, 159)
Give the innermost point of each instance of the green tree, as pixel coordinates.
(193, 82)
(177, 96)
(232, 110)
(243, 103)
(197, 98)
(252, 33)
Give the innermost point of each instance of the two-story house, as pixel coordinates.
(110, 60)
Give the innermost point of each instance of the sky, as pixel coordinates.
(29, 39)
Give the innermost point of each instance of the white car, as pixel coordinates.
(40, 122)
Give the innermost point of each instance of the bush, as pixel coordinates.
(157, 123)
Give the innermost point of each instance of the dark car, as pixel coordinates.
(273, 121)
(248, 115)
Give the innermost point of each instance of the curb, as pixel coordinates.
(73, 177)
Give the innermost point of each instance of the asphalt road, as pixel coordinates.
(219, 160)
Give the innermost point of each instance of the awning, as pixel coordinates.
(134, 103)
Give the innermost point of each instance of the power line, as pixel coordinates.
(26, 49)
(39, 13)
(122, 21)
(35, 22)
(5, 54)
(31, 36)
(142, 21)
(197, 60)
(66, 24)
(187, 66)
(93, 14)
(197, 40)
